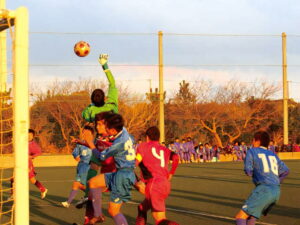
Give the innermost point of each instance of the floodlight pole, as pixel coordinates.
(161, 88)
(285, 92)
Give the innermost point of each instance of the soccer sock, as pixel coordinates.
(40, 186)
(241, 222)
(91, 173)
(96, 194)
(72, 196)
(120, 219)
(251, 221)
(89, 210)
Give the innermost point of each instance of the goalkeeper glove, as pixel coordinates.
(103, 61)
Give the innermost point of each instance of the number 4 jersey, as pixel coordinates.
(154, 160)
(264, 166)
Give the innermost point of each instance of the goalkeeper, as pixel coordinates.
(99, 103)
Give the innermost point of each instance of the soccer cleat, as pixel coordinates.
(99, 219)
(141, 219)
(65, 204)
(81, 202)
(44, 193)
(86, 221)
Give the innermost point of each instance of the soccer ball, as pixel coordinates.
(82, 48)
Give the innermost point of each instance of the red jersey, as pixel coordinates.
(154, 160)
(34, 150)
(108, 165)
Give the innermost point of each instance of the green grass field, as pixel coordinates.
(206, 194)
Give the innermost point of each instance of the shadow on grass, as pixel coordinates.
(292, 212)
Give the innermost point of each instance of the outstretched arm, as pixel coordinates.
(112, 96)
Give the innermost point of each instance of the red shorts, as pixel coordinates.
(157, 191)
(31, 169)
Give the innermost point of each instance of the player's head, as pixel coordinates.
(153, 133)
(237, 143)
(97, 97)
(177, 139)
(31, 134)
(114, 123)
(188, 139)
(99, 122)
(261, 138)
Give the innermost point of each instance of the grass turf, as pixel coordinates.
(206, 194)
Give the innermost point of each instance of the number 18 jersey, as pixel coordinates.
(264, 166)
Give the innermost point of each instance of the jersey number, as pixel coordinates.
(131, 152)
(272, 162)
(161, 156)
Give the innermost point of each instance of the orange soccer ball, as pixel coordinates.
(82, 48)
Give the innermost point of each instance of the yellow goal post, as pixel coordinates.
(18, 19)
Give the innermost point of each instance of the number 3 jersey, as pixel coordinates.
(154, 160)
(264, 166)
(121, 149)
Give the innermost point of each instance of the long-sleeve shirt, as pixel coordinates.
(111, 104)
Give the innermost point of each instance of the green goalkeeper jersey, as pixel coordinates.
(111, 103)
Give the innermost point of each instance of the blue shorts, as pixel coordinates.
(120, 184)
(81, 172)
(261, 198)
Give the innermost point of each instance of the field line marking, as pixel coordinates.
(203, 214)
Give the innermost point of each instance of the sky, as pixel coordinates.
(217, 40)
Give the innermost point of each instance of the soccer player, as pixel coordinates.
(206, 153)
(99, 104)
(244, 149)
(191, 150)
(120, 182)
(34, 151)
(178, 148)
(82, 154)
(237, 151)
(199, 151)
(267, 172)
(102, 142)
(184, 151)
(153, 160)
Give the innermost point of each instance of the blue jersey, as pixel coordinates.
(264, 166)
(122, 150)
(83, 152)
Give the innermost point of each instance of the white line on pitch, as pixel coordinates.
(204, 214)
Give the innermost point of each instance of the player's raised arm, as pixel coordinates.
(112, 95)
